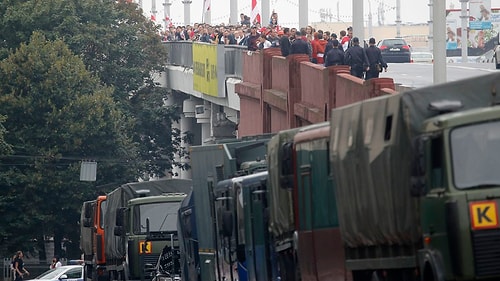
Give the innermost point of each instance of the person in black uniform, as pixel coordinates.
(375, 60)
(299, 46)
(355, 57)
(285, 42)
(335, 55)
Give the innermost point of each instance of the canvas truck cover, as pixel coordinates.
(280, 204)
(369, 159)
(115, 245)
(473, 92)
(371, 153)
(204, 160)
(85, 233)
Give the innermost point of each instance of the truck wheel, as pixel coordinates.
(428, 273)
(360, 275)
(287, 270)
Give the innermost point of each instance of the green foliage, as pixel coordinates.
(77, 84)
(116, 43)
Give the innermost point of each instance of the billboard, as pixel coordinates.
(480, 14)
(480, 39)
(208, 69)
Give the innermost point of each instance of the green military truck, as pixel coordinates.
(124, 232)
(417, 181)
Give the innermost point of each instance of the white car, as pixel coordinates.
(497, 56)
(66, 273)
(425, 57)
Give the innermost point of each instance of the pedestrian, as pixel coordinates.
(345, 39)
(318, 48)
(375, 60)
(285, 42)
(299, 45)
(253, 39)
(355, 57)
(19, 269)
(335, 55)
(55, 263)
(263, 42)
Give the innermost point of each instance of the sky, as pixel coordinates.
(412, 11)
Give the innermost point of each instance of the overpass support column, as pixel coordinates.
(186, 127)
(171, 101)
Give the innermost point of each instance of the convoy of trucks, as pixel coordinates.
(391, 188)
(396, 187)
(124, 231)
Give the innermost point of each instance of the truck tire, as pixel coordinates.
(428, 274)
(287, 268)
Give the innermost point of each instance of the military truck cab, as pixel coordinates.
(457, 177)
(150, 224)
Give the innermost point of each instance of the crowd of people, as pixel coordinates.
(322, 47)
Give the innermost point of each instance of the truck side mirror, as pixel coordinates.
(118, 231)
(120, 216)
(87, 210)
(418, 174)
(227, 224)
(87, 221)
(286, 173)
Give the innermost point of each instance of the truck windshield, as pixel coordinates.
(475, 153)
(162, 217)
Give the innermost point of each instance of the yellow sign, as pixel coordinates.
(483, 214)
(145, 247)
(205, 69)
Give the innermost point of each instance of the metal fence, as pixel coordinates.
(180, 53)
(35, 267)
(7, 272)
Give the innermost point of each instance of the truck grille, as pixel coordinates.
(486, 247)
(151, 259)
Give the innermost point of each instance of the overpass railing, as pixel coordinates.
(180, 53)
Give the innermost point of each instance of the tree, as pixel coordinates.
(57, 114)
(122, 48)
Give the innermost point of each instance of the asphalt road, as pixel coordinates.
(417, 75)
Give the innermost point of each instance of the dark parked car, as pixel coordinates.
(395, 50)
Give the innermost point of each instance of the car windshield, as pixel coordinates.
(52, 274)
(162, 217)
(394, 42)
(476, 155)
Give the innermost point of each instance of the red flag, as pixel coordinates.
(255, 14)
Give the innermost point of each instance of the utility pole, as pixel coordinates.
(439, 41)
(398, 18)
(234, 18)
(266, 14)
(463, 37)
(166, 13)
(370, 22)
(303, 13)
(153, 9)
(187, 12)
(358, 27)
(431, 26)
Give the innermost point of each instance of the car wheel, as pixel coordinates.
(496, 62)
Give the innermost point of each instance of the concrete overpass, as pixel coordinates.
(228, 92)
